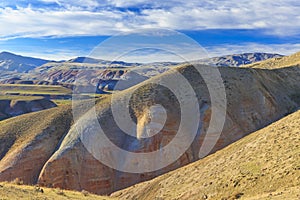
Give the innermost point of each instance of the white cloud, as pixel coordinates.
(91, 17)
(280, 18)
(26, 22)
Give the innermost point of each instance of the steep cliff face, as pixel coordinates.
(79, 157)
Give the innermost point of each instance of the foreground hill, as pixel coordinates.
(263, 165)
(59, 151)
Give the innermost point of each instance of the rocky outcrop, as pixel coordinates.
(12, 108)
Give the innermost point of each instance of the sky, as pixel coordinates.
(63, 29)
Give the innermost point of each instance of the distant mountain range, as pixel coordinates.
(14, 66)
(18, 63)
(237, 60)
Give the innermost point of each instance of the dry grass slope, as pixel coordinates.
(263, 165)
(23, 129)
(34, 89)
(14, 191)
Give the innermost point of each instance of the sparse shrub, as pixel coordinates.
(238, 195)
(60, 192)
(85, 193)
(17, 181)
(38, 189)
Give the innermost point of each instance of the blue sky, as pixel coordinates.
(62, 29)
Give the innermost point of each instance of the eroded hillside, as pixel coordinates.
(255, 98)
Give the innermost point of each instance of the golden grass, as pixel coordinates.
(19, 98)
(34, 89)
(14, 191)
(60, 102)
(22, 129)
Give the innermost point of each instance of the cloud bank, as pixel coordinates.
(91, 17)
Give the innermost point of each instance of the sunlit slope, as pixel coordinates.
(263, 165)
(27, 141)
(15, 191)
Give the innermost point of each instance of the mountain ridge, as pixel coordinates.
(236, 60)
(18, 63)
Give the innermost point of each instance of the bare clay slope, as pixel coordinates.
(263, 165)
